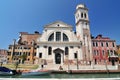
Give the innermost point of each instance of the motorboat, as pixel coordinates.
(5, 71)
(36, 73)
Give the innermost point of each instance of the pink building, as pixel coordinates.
(3, 56)
(104, 50)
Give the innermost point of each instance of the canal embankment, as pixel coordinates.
(99, 69)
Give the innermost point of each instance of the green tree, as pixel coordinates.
(118, 53)
(16, 65)
(23, 57)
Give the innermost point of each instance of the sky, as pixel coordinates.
(32, 15)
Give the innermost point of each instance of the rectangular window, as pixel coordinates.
(9, 53)
(66, 50)
(75, 55)
(108, 52)
(10, 47)
(111, 52)
(49, 50)
(107, 44)
(94, 52)
(102, 44)
(103, 52)
(28, 53)
(20, 53)
(97, 52)
(93, 44)
(96, 44)
(113, 44)
(40, 55)
(35, 54)
(58, 36)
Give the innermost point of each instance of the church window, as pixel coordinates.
(49, 50)
(81, 15)
(85, 15)
(75, 55)
(58, 36)
(51, 38)
(40, 55)
(66, 50)
(65, 38)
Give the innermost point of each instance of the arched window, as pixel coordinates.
(65, 38)
(85, 15)
(58, 37)
(49, 50)
(66, 51)
(51, 38)
(81, 15)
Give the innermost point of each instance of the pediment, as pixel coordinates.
(58, 50)
(58, 24)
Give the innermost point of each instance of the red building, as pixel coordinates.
(104, 50)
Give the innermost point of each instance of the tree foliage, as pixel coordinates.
(23, 57)
(16, 65)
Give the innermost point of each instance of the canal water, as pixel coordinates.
(67, 76)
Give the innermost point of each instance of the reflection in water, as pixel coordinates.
(60, 76)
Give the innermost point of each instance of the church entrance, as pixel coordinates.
(58, 58)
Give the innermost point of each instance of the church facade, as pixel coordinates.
(59, 44)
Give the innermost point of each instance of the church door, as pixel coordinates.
(58, 58)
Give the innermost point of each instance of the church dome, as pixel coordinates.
(81, 6)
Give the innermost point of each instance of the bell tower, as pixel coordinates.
(83, 31)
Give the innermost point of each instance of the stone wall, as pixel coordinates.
(119, 67)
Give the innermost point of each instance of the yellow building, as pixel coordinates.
(24, 50)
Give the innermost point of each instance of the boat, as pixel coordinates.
(36, 73)
(6, 71)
